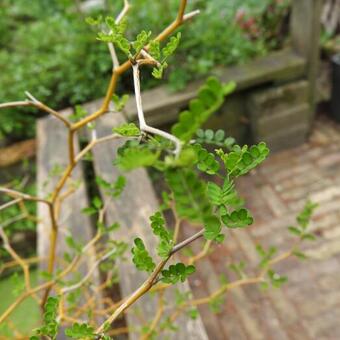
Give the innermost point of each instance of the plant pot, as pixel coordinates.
(335, 98)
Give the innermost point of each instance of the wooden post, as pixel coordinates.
(305, 31)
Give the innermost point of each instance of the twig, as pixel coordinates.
(23, 196)
(144, 288)
(7, 246)
(148, 284)
(157, 317)
(124, 67)
(112, 50)
(89, 273)
(10, 203)
(39, 105)
(186, 242)
(141, 118)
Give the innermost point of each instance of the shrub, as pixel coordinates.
(46, 46)
(200, 189)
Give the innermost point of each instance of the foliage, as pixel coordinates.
(127, 129)
(80, 331)
(303, 220)
(197, 51)
(210, 99)
(50, 326)
(216, 138)
(141, 257)
(200, 187)
(114, 189)
(45, 55)
(159, 229)
(44, 52)
(176, 272)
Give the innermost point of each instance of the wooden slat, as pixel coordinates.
(132, 210)
(52, 152)
(305, 32)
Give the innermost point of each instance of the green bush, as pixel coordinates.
(52, 55)
(49, 50)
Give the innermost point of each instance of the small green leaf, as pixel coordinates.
(141, 40)
(127, 129)
(212, 226)
(238, 219)
(120, 102)
(171, 46)
(177, 272)
(141, 258)
(94, 22)
(80, 331)
(299, 255)
(308, 237)
(295, 231)
(154, 49)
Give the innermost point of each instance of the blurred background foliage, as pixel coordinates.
(47, 48)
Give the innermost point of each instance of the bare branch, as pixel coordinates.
(15, 104)
(39, 105)
(66, 290)
(23, 196)
(190, 15)
(9, 204)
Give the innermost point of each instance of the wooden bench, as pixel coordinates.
(131, 211)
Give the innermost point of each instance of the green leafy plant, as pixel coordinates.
(51, 326)
(200, 188)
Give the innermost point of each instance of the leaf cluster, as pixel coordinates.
(216, 138)
(177, 272)
(241, 160)
(50, 325)
(85, 331)
(94, 208)
(120, 102)
(159, 229)
(162, 55)
(210, 99)
(303, 221)
(133, 155)
(189, 193)
(206, 161)
(141, 257)
(113, 189)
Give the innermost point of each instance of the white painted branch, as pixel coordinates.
(190, 15)
(141, 118)
(122, 14)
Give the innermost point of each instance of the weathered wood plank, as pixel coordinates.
(305, 32)
(52, 153)
(132, 211)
